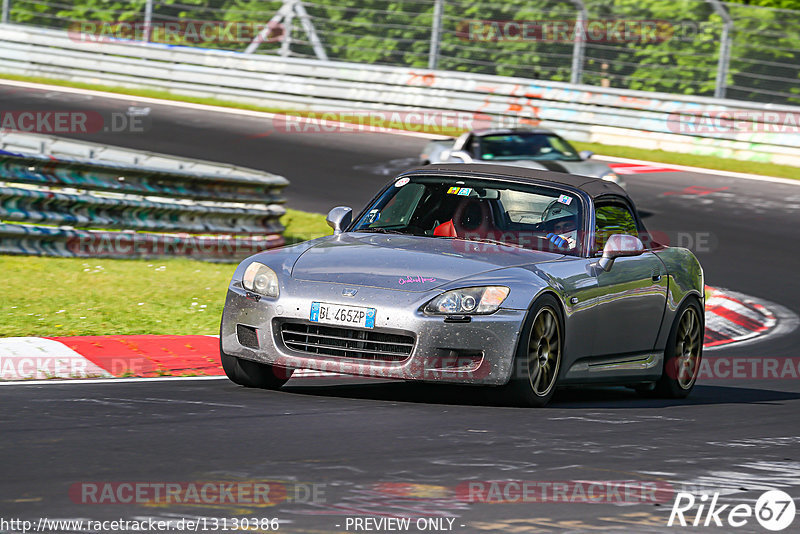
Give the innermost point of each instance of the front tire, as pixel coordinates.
(252, 374)
(539, 355)
(683, 354)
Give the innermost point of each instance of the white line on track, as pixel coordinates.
(299, 374)
(89, 381)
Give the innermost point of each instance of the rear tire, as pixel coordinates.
(683, 354)
(252, 374)
(539, 355)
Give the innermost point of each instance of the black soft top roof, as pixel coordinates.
(594, 187)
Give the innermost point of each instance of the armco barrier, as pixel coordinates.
(129, 204)
(579, 112)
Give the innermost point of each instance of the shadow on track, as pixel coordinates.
(567, 398)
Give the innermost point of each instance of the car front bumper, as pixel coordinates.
(480, 351)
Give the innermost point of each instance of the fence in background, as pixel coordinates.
(583, 113)
(76, 199)
(695, 47)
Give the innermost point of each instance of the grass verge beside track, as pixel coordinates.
(82, 297)
(673, 158)
(302, 226)
(78, 296)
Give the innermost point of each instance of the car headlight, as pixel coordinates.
(261, 279)
(612, 177)
(469, 301)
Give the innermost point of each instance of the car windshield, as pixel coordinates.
(526, 216)
(533, 146)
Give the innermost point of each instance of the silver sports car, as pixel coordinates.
(475, 274)
(534, 148)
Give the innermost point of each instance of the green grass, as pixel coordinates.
(302, 226)
(693, 160)
(75, 296)
(674, 158)
(78, 297)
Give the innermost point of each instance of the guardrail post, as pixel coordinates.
(579, 45)
(148, 20)
(6, 10)
(308, 27)
(286, 44)
(287, 12)
(436, 32)
(280, 15)
(724, 48)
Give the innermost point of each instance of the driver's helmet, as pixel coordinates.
(535, 143)
(557, 210)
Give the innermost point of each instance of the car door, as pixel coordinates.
(632, 295)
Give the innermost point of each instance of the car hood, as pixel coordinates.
(405, 263)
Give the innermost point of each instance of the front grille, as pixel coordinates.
(346, 342)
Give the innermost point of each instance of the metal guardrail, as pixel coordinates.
(123, 203)
(583, 113)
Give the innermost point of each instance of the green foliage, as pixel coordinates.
(775, 4)
(764, 66)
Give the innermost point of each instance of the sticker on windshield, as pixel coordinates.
(373, 216)
(401, 182)
(465, 191)
(565, 199)
(453, 190)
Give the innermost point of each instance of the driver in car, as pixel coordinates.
(565, 233)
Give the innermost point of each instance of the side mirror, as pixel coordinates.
(618, 246)
(585, 154)
(339, 218)
(460, 154)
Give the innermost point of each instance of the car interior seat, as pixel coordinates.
(471, 216)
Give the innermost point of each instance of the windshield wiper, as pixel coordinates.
(491, 241)
(382, 231)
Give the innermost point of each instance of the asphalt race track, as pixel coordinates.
(386, 449)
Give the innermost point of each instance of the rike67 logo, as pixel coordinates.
(774, 510)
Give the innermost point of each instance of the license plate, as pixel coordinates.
(322, 312)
